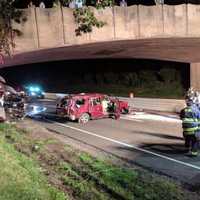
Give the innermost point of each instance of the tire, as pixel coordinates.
(125, 111)
(84, 118)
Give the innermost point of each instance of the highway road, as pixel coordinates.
(153, 142)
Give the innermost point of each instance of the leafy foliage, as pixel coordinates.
(86, 20)
(7, 14)
(168, 75)
(103, 3)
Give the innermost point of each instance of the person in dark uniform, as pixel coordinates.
(190, 116)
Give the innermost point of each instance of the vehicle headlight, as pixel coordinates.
(37, 89)
(33, 93)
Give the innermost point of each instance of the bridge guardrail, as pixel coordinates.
(164, 105)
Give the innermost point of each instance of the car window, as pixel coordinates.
(96, 101)
(64, 102)
(80, 102)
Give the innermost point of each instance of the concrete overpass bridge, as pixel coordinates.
(161, 32)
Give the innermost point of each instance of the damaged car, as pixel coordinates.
(85, 106)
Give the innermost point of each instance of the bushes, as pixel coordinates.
(111, 78)
(163, 82)
(147, 77)
(168, 75)
(140, 78)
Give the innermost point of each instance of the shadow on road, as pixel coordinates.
(160, 135)
(170, 149)
(49, 118)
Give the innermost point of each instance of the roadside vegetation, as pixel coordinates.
(160, 83)
(28, 161)
(21, 177)
(119, 77)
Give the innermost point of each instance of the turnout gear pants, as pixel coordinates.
(191, 143)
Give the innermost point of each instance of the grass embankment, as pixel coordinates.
(77, 174)
(20, 177)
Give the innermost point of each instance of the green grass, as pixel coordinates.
(20, 177)
(128, 183)
(85, 177)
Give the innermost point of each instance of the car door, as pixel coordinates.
(96, 109)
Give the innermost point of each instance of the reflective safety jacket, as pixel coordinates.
(190, 117)
(198, 107)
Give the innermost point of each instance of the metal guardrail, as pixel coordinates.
(164, 105)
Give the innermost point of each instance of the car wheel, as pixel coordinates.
(125, 111)
(84, 118)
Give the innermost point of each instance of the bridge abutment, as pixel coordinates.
(195, 75)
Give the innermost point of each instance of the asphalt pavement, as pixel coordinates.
(153, 142)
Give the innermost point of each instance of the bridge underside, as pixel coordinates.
(186, 50)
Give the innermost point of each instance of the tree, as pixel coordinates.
(8, 13)
(168, 75)
(86, 19)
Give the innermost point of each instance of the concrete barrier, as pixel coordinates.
(28, 39)
(163, 105)
(50, 27)
(55, 27)
(151, 21)
(126, 22)
(107, 32)
(69, 27)
(193, 20)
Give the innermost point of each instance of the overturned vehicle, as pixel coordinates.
(83, 107)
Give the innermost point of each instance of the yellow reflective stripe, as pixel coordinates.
(188, 120)
(189, 132)
(194, 153)
(188, 109)
(190, 129)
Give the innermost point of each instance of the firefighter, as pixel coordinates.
(190, 116)
(197, 102)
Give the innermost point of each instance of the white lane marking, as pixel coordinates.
(146, 116)
(130, 119)
(126, 145)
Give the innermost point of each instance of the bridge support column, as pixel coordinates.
(195, 75)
